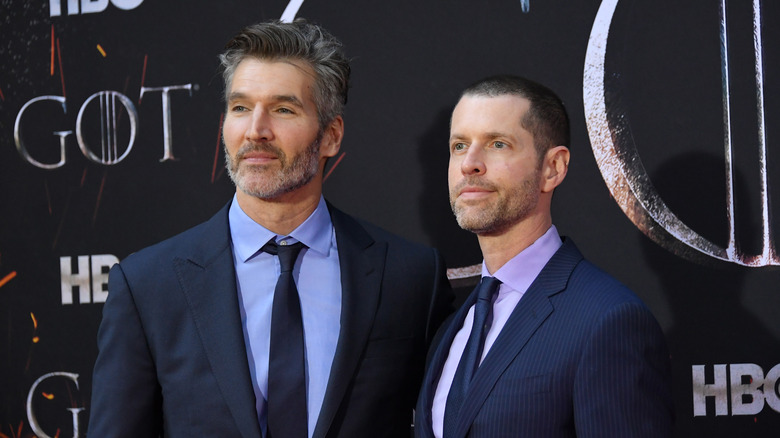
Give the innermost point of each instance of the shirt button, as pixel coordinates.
(283, 243)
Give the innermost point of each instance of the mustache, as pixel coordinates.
(267, 148)
(473, 182)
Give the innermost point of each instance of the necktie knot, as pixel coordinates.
(488, 288)
(287, 253)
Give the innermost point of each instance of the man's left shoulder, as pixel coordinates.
(596, 286)
(394, 241)
(589, 276)
(382, 235)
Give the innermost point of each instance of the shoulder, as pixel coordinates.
(401, 258)
(205, 240)
(590, 277)
(602, 309)
(392, 239)
(362, 229)
(587, 284)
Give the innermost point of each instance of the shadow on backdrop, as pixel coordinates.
(459, 247)
(710, 323)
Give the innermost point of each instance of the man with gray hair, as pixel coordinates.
(280, 316)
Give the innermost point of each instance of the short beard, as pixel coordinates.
(495, 218)
(262, 182)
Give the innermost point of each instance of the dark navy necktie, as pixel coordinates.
(469, 361)
(287, 417)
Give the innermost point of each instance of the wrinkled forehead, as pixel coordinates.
(301, 65)
(277, 76)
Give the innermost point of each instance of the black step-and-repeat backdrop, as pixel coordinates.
(110, 116)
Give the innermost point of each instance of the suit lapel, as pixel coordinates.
(529, 314)
(362, 262)
(208, 280)
(434, 368)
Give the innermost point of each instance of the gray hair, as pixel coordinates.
(299, 40)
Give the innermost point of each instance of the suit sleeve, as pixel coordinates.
(622, 381)
(126, 396)
(441, 301)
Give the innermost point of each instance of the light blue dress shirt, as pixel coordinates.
(516, 277)
(318, 280)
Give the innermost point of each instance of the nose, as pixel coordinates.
(259, 129)
(473, 162)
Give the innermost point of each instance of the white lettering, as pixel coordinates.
(100, 266)
(90, 6)
(109, 140)
(18, 134)
(746, 390)
(746, 398)
(166, 111)
(91, 280)
(33, 420)
(108, 111)
(93, 6)
(717, 389)
(771, 390)
(73, 7)
(78, 280)
(127, 4)
(55, 8)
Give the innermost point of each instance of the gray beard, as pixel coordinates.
(264, 183)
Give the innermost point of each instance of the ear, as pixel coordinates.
(331, 138)
(554, 167)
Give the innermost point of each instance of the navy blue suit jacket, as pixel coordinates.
(172, 359)
(580, 356)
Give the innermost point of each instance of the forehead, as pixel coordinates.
(274, 77)
(476, 114)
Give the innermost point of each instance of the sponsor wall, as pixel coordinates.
(110, 115)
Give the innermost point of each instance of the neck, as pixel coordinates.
(284, 214)
(498, 248)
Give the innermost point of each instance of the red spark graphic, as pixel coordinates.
(334, 166)
(216, 153)
(99, 197)
(7, 278)
(143, 74)
(52, 51)
(35, 340)
(62, 74)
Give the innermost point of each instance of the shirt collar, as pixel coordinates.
(248, 236)
(521, 270)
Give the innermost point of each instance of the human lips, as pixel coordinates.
(254, 154)
(258, 158)
(472, 191)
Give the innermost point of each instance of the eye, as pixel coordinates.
(284, 110)
(238, 108)
(499, 144)
(456, 147)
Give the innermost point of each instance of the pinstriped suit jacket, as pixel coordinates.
(580, 356)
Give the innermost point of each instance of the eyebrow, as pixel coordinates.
(289, 99)
(293, 100)
(495, 135)
(489, 135)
